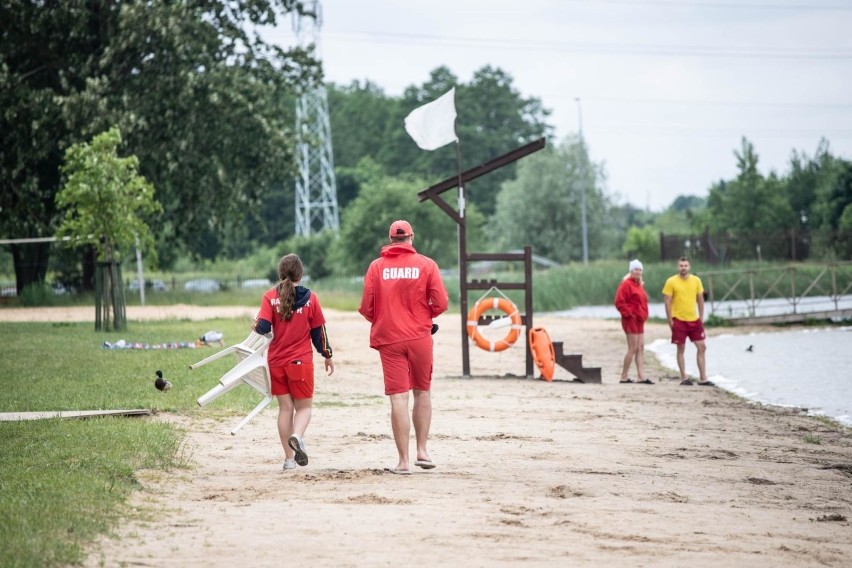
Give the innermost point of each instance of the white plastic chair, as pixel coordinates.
(251, 369)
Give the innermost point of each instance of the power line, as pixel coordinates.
(597, 48)
(705, 102)
(723, 5)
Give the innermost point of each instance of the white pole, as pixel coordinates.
(583, 184)
(139, 275)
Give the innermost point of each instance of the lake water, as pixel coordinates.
(804, 368)
(809, 368)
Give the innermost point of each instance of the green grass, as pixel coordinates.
(812, 439)
(554, 289)
(64, 481)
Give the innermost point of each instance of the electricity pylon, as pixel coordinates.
(316, 189)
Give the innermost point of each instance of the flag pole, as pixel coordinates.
(462, 232)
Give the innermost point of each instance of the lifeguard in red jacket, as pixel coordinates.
(403, 292)
(631, 301)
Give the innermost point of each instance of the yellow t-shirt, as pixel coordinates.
(684, 293)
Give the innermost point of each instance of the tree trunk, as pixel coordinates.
(30, 264)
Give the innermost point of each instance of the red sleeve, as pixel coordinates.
(317, 317)
(266, 307)
(438, 298)
(368, 305)
(622, 300)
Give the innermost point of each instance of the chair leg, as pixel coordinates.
(263, 404)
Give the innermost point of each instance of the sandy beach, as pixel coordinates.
(529, 472)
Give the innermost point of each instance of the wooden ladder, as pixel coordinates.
(573, 363)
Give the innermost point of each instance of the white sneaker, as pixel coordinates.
(289, 464)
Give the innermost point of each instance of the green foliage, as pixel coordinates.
(314, 252)
(104, 199)
(542, 207)
(38, 294)
(576, 285)
(750, 203)
(642, 243)
(381, 201)
(202, 100)
(493, 118)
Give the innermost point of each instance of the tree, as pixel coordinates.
(493, 118)
(808, 182)
(384, 199)
(201, 100)
(105, 199)
(642, 243)
(542, 206)
(750, 203)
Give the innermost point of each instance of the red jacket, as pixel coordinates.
(403, 291)
(631, 301)
(292, 339)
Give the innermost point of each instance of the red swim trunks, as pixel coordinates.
(296, 379)
(694, 330)
(407, 365)
(632, 325)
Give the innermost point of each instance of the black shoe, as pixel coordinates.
(687, 382)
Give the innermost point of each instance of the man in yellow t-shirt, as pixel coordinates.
(684, 297)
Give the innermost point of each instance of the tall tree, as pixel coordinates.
(751, 202)
(542, 206)
(493, 118)
(202, 100)
(384, 199)
(105, 202)
(808, 180)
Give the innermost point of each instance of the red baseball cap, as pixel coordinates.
(400, 229)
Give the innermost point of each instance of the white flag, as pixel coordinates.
(434, 124)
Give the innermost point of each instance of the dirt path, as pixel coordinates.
(528, 472)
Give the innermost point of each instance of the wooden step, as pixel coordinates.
(573, 363)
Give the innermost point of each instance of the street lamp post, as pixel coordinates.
(582, 169)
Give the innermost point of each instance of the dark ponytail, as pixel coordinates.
(290, 271)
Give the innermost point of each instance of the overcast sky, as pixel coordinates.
(667, 88)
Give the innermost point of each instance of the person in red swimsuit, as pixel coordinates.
(631, 301)
(403, 291)
(294, 316)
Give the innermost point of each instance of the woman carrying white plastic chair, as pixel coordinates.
(294, 316)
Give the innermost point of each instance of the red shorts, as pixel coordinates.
(632, 325)
(293, 379)
(407, 365)
(694, 330)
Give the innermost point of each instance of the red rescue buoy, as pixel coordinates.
(542, 351)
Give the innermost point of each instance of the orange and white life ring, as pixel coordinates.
(542, 352)
(483, 306)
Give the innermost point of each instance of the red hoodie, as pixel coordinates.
(403, 291)
(631, 300)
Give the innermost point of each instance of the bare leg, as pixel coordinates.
(422, 418)
(631, 354)
(700, 359)
(285, 422)
(681, 364)
(640, 356)
(401, 425)
(303, 415)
